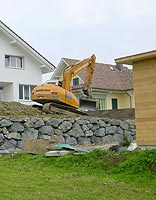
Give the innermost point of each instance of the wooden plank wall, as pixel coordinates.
(144, 74)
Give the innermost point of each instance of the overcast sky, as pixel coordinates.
(79, 28)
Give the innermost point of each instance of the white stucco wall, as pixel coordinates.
(30, 75)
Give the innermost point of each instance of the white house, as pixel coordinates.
(21, 67)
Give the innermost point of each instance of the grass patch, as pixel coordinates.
(96, 175)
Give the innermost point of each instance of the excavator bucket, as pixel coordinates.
(88, 104)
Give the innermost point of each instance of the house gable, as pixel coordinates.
(14, 39)
(106, 76)
(21, 67)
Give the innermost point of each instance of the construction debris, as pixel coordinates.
(63, 149)
(133, 146)
(56, 153)
(71, 148)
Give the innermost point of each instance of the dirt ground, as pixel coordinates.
(18, 110)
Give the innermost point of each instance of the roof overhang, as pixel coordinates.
(46, 65)
(59, 69)
(129, 60)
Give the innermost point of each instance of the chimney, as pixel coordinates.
(119, 66)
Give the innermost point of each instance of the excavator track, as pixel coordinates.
(61, 109)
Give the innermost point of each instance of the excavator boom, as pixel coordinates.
(76, 68)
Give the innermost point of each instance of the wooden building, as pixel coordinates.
(144, 76)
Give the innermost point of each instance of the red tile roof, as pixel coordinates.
(108, 77)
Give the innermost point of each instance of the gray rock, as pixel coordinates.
(54, 122)
(106, 120)
(35, 119)
(95, 127)
(17, 127)
(9, 144)
(124, 125)
(46, 130)
(65, 135)
(20, 144)
(76, 125)
(118, 137)
(13, 119)
(82, 121)
(94, 121)
(133, 132)
(1, 138)
(95, 140)
(100, 132)
(102, 123)
(66, 126)
(30, 133)
(128, 135)
(5, 131)
(127, 132)
(71, 140)
(59, 139)
(84, 140)
(134, 137)
(115, 122)
(85, 128)
(14, 135)
(131, 123)
(45, 137)
(39, 123)
(76, 132)
(90, 126)
(70, 120)
(107, 139)
(120, 130)
(111, 130)
(89, 133)
(28, 124)
(5, 123)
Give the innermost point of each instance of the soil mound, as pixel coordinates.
(18, 110)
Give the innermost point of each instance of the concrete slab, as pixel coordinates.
(56, 153)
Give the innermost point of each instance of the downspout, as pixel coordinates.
(130, 93)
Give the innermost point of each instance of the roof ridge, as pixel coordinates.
(74, 59)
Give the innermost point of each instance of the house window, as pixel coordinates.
(101, 104)
(25, 91)
(14, 62)
(75, 81)
(1, 93)
(114, 104)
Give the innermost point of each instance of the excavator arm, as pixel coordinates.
(76, 68)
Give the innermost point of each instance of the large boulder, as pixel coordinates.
(5, 123)
(16, 127)
(46, 130)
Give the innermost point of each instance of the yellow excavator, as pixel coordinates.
(56, 95)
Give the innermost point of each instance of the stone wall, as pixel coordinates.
(83, 130)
